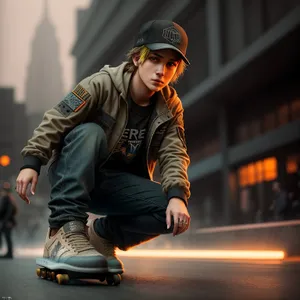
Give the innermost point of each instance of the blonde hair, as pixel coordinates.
(143, 53)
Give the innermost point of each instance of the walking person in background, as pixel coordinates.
(8, 211)
(279, 205)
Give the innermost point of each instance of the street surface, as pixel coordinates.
(158, 278)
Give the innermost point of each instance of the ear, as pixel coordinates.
(135, 59)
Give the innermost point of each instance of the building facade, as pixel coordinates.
(241, 94)
(13, 131)
(6, 132)
(44, 84)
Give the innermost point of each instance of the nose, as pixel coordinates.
(160, 71)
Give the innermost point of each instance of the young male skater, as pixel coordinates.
(107, 135)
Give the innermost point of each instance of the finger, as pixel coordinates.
(18, 187)
(175, 229)
(168, 218)
(23, 188)
(33, 185)
(23, 192)
(26, 199)
(180, 226)
(184, 225)
(19, 191)
(183, 228)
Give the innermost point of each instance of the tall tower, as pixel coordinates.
(44, 86)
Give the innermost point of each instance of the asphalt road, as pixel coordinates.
(157, 279)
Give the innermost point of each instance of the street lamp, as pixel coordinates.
(4, 160)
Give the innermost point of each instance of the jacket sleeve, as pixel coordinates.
(174, 160)
(59, 120)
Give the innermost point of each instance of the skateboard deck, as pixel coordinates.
(62, 275)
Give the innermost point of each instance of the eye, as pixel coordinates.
(172, 64)
(153, 58)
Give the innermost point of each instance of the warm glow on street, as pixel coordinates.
(205, 254)
(185, 254)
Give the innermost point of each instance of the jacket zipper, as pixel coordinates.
(150, 140)
(112, 150)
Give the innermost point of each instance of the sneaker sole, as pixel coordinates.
(52, 265)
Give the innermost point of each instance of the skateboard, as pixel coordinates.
(63, 276)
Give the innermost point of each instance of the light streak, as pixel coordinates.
(205, 254)
(183, 254)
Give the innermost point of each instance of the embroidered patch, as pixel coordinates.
(81, 93)
(171, 34)
(181, 135)
(74, 101)
(63, 108)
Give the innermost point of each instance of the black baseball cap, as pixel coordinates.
(163, 34)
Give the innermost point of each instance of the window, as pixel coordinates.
(283, 114)
(269, 121)
(295, 109)
(243, 176)
(259, 167)
(241, 133)
(255, 128)
(211, 148)
(292, 164)
(253, 173)
(270, 169)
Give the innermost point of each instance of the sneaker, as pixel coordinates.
(70, 249)
(106, 248)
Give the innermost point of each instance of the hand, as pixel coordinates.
(25, 177)
(181, 217)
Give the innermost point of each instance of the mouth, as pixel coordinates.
(157, 81)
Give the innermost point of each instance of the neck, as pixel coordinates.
(139, 92)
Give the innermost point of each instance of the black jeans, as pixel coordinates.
(7, 234)
(134, 206)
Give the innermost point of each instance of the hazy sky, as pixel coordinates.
(18, 22)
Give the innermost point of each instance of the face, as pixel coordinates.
(158, 69)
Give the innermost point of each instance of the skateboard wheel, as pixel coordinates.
(113, 279)
(48, 274)
(62, 278)
(43, 274)
(52, 275)
(38, 272)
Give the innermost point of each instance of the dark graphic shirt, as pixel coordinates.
(129, 153)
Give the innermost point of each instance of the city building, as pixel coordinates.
(6, 133)
(241, 94)
(44, 84)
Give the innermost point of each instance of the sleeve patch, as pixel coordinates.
(181, 135)
(63, 108)
(81, 93)
(74, 101)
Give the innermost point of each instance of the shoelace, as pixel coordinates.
(79, 241)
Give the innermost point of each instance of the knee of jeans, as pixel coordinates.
(90, 129)
(89, 132)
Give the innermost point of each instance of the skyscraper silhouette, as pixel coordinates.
(44, 86)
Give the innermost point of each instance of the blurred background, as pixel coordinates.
(241, 95)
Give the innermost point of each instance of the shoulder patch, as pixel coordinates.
(181, 135)
(74, 101)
